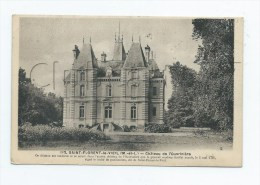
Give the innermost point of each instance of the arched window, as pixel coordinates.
(108, 91)
(82, 90)
(133, 90)
(108, 112)
(133, 112)
(82, 76)
(81, 111)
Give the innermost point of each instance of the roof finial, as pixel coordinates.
(83, 40)
(115, 36)
(122, 37)
(132, 38)
(90, 39)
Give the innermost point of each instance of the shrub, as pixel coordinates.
(47, 133)
(126, 128)
(157, 128)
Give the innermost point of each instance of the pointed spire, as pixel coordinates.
(132, 38)
(122, 37)
(115, 36)
(83, 40)
(90, 39)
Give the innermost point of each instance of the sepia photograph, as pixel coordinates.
(163, 91)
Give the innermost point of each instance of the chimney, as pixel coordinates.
(76, 52)
(147, 53)
(103, 57)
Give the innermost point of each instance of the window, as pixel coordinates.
(154, 91)
(81, 111)
(133, 112)
(134, 75)
(82, 76)
(109, 91)
(133, 90)
(154, 111)
(82, 90)
(108, 112)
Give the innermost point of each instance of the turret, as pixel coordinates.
(119, 50)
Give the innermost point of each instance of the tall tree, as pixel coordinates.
(180, 111)
(213, 105)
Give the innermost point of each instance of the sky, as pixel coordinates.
(49, 39)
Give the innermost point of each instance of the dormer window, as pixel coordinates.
(109, 71)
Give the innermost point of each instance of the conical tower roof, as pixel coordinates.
(86, 58)
(135, 57)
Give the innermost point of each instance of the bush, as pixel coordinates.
(45, 133)
(126, 128)
(158, 128)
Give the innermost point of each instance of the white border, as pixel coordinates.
(37, 174)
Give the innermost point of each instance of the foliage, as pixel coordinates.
(180, 111)
(30, 133)
(215, 83)
(126, 128)
(157, 128)
(101, 72)
(35, 106)
(206, 99)
(129, 129)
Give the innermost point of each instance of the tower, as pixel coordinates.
(135, 88)
(80, 89)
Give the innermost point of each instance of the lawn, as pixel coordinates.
(141, 142)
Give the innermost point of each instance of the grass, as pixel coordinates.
(84, 139)
(45, 133)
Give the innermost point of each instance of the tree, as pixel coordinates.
(35, 106)
(180, 104)
(213, 105)
(206, 99)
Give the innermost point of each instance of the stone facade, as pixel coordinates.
(127, 90)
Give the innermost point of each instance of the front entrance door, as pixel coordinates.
(106, 128)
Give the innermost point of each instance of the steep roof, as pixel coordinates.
(115, 65)
(86, 57)
(135, 57)
(152, 65)
(119, 51)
